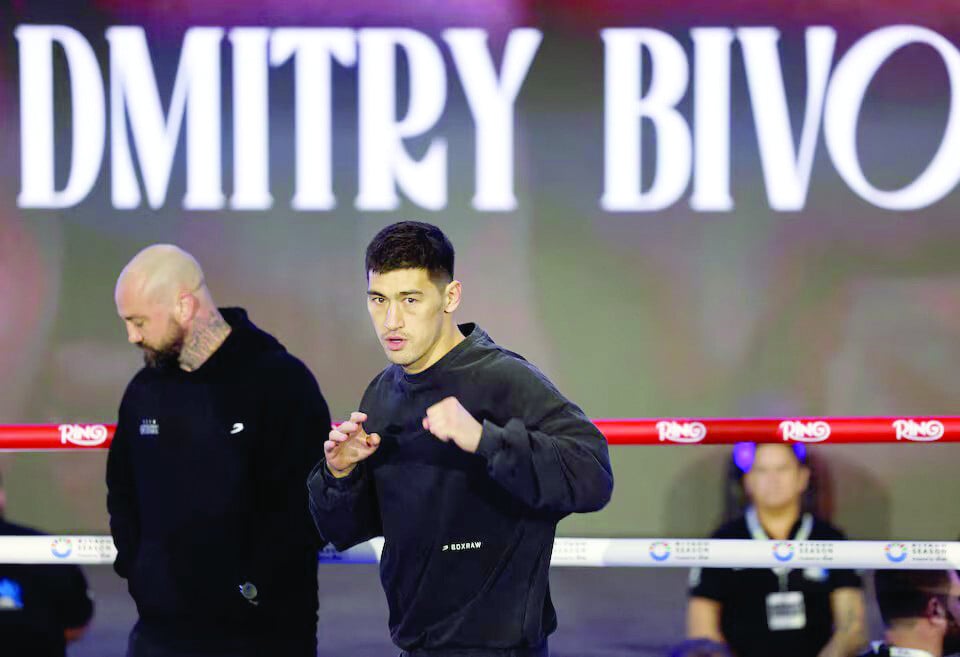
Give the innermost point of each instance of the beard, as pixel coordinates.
(167, 354)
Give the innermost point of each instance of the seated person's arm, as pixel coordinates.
(75, 606)
(703, 619)
(849, 626)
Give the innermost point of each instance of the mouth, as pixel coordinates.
(395, 343)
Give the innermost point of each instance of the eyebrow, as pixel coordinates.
(403, 293)
(130, 318)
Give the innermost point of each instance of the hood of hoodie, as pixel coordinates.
(246, 341)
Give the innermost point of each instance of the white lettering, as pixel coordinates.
(134, 95)
(492, 106)
(923, 431)
(313, 49)
(83, 435)
(786, 169)
(623, 110)
(847, 90)
(711, 122)
(401, 153)
(251, 145)
(385, 163)
(37, 157)
(805, 432)
(677, 432)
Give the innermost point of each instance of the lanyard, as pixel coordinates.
(757, 534)
(902, 652)
(908, 652)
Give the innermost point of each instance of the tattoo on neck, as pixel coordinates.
(206, 337)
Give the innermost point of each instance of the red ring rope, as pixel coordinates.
(710, 431)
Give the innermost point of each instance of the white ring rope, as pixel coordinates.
(588, 552)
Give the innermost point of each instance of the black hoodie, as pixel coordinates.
(468, 537)
(205, 481)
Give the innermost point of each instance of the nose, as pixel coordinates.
(133, 335)
(394, 317)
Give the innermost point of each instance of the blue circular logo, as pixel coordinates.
(660, 551)
(783, 551)
(61, 548)
(895, 552)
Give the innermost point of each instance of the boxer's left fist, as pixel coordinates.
(448, 420)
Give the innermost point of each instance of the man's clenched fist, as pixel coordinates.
(448, 420)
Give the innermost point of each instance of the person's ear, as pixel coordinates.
(935, 611)
(187, 306)
(804, 478)
(452, 295)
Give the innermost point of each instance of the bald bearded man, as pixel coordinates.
(206, 473)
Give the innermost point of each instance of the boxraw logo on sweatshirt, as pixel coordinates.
(454, 547)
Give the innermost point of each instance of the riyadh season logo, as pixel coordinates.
(61, 548)
(895, 552)
(783, 551)
(659, 551)
(805, 432)
(923, 432)
(681, 432)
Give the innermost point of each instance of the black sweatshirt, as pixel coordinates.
(468, 536)
(38, 602)
(205, 481)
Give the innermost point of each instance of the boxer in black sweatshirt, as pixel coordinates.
(464, 457)
(205, 475)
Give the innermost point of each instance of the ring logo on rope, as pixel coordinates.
(783, 551)
(805, 432)
(685, 432)
(895, 552)
(923, 432)
(83, 435)
(660, 551)
(61, 548)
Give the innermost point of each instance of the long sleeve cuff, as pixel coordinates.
(492, 440)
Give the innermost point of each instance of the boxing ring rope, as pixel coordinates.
(594, 552)
(585, 552)
(710, 431)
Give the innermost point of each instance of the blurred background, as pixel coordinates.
(838, 308)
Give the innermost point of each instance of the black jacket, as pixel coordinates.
(39, 602)
(468, 536)
(205, 481)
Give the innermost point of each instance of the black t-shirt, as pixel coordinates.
(743, 592)
(38, 602)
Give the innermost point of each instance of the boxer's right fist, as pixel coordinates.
(349, 444)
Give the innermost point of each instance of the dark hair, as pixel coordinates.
(906, 593)
(744, 454)
(411, 245)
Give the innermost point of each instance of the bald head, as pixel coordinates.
(160, 273)
(160, 295)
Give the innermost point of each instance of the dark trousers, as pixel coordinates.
(539, 651)
(147, 644)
